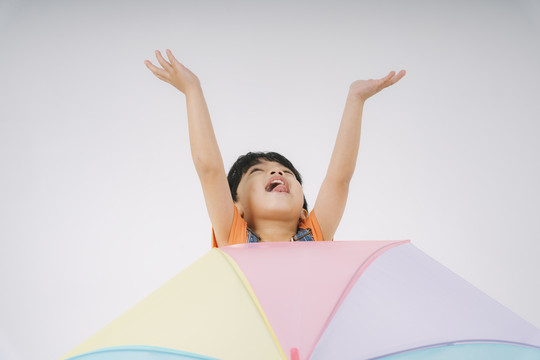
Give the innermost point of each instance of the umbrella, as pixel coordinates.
(317, 301)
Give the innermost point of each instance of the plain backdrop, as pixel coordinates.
(99, 200)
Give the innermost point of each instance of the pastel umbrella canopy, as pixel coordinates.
(315, 300)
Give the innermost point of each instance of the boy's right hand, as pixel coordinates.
(174, 73)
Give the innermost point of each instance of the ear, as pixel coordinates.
(240, 209)
(303, 214)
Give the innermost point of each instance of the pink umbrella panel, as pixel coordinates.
(319, 300)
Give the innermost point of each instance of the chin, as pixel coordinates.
(281, 211)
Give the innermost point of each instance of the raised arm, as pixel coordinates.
(332, 197)
(204, 147)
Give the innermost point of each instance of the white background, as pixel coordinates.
(99, 200)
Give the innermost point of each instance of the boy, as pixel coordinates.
(269, 202)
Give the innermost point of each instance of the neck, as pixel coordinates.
(273, 230)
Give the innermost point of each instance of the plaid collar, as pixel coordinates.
(301, 235)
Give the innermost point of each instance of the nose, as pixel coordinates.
(276, 171)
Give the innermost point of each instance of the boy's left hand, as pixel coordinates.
(364, 89)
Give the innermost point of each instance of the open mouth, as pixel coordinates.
(277, 184)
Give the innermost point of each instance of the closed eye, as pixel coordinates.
(256, 169)
(288, 172)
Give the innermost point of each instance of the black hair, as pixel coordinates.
(244, 162)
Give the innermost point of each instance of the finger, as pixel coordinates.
(155, 70)
(398, 77)
(163, 62)
(390, 75)
(387, 77)
(392, 80)
(382, 82)
(171, 57)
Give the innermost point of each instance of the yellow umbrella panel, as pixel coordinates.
(207, 310)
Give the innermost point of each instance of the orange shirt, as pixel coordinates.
(238, 234)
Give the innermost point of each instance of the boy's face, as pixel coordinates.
(270, 191)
